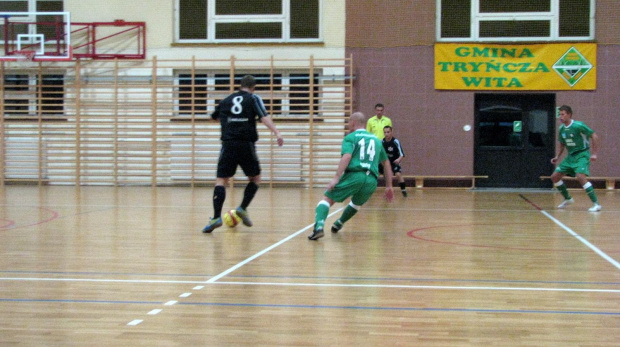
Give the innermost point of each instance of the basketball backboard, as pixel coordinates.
(38, 36)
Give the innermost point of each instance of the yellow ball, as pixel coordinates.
(231, 218)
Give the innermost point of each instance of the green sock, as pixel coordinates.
(322, 209)
(348, 213)
(562, 188)
(590, 191)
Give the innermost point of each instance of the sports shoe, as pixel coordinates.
(243, 214)
(566, 203)
(212, 225)
(337, 226)
(595, 208)
(404, 193)
(316, 234)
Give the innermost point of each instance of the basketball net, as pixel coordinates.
(24, 57)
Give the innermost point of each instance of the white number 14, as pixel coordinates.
(370, 151)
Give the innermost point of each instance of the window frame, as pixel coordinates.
(213, 19)
(553, 16)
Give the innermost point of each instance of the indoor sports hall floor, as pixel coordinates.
(128, 266)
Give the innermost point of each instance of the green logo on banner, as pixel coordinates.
(572, 66)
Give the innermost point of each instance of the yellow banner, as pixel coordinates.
(558, 66)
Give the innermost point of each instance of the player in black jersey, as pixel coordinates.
(395, 154)
(238, 114)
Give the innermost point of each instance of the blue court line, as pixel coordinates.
(430, 309)
(376, 308)
(307, 277)
(82, 301)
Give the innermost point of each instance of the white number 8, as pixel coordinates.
(237, 107)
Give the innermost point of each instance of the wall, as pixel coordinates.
(159, 16)
(391, 43)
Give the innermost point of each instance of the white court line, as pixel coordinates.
(94, 280)
(169, 303)
(217, 277)
(584, 241)
(420, 287)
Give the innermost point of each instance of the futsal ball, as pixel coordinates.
(231, 218)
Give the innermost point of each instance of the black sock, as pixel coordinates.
(219, 195)
(248, 194)
(402, 186)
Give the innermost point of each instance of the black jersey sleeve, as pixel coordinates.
(259, 106)
(400, 148)
(216, 114)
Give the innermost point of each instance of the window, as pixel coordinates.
(31, 95)
(31, 5)
(243, 21)
(192, 94)
(284, 93)
(516, 20)
(496, 126)
(299, 91)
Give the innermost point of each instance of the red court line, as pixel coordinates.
(8, 225)
(414, 234)
(12, 225)
(530, 202)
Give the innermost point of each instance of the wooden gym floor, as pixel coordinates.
(128, 266)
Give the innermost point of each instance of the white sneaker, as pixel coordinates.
(566, 203)
(595, 208)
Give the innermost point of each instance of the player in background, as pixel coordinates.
(376, 123)
(356, 176)
(238, 114)
(582, 145)
(395, 154)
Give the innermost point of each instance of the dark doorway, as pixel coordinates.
(514, 139)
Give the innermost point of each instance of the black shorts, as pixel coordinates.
(238, 153)
(395, 168)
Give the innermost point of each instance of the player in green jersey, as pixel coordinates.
(356, 176)
(581, 143)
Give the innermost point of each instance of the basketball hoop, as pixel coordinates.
(24, 57)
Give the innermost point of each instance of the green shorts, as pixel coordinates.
(358, 185)
(574, 164)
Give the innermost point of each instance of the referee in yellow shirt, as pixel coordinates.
(376, 123)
